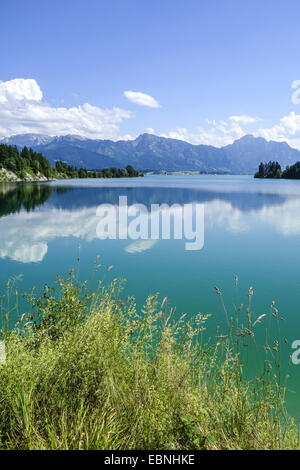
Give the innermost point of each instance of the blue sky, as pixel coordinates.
(218, 69)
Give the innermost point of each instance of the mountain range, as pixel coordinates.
(151, 152)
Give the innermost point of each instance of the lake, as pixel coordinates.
(251, 229)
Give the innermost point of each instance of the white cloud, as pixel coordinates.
(288, 130)
(218, 135)
(211, 122)
(244, 119)
(141, 99)
(150, 130)
(23, 111)
(140, 245)
(20, 89)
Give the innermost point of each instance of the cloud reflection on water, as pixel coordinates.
(24, 236)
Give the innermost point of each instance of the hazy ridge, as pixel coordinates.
(151, 152)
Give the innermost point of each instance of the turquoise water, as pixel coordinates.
(251, 229)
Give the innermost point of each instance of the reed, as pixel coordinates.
(88, 370)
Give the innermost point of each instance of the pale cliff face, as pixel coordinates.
(9, 176)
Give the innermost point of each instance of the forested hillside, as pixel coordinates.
(28, 165)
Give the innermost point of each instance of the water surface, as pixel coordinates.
(252, 230)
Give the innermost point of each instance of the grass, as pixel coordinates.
(86, 370)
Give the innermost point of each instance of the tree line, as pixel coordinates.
(68, 171)
(273, 170)
(27, 161)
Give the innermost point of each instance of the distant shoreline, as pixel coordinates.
(15, 179)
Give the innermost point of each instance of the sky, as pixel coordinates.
(207, 72)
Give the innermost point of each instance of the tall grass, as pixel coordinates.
(86, 370)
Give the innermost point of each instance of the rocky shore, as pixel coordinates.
(9, 176)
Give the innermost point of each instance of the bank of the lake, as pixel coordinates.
(88, 370)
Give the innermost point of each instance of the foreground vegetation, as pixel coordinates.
(273, 170)
(28, 165)
(85, 370)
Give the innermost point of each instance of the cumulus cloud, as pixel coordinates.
(142, 99)
(22, 110)
(244, 119)
(20, 89)
(288, 130)
(219, 134)
(150, 130)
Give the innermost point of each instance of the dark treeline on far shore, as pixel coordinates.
(29, 165)
(273, 170)
(72, 172)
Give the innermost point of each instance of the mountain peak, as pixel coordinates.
(250, 138)
(146, 137)
(247, 137)
(27, 139)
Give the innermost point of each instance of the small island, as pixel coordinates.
(273, 170)
(27, 165)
